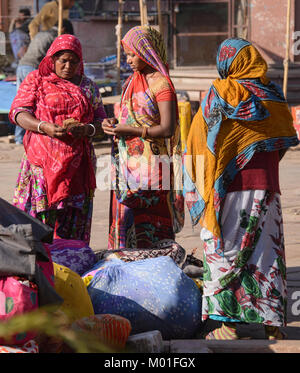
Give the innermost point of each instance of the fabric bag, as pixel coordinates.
(74, 254)
(17, 296)
(153, 294)
(71, 288)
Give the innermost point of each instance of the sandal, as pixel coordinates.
(226, 332)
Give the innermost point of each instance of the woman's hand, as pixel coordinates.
(109, 122)
(112, 128)
(108, 126)
(78, 131)
(53, 130)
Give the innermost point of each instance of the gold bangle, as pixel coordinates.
(144, 133)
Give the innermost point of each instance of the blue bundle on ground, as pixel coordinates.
(154, 294)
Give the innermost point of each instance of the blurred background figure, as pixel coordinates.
(48, 16)
(19, 33)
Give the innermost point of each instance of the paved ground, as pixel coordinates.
(11, 154)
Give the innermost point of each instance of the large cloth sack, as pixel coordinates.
(71, 288)
(112, 330)
(74, 254)
(19, 295)
(153, 294)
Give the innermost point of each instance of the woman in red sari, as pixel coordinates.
(57, 177)
(146, 199)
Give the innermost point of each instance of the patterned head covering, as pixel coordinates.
(147, 43)
(242, 87)
(61, 43)
(250, 64)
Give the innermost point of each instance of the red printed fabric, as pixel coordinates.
(260, 173)
(66, 163)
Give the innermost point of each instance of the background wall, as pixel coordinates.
(99, 39)
(268, 28)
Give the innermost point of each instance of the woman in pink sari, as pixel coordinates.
(147, 205)
(61, 110)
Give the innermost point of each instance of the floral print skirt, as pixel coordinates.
(246, 281)
(139, 227)
(70, 218)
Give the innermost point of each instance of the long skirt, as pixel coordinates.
(139, 227)
(70, 218)
(246, 280)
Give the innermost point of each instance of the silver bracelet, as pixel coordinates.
(39, 125)
(91, 124)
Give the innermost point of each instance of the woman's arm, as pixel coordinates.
(165, 129)
(27, 121)
(30, 123)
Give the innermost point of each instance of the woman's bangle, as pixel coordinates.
(94, 130)
(144, 133)
(39, 126)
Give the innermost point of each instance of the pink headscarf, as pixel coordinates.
(63, 42)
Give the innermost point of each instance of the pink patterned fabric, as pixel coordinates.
(53, 99)
(17, 296)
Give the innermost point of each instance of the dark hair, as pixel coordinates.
(67, 25)
(25, 11)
